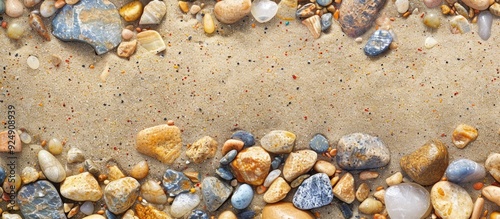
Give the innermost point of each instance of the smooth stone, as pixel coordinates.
(75, 155)
(322, 166)
(229, 157)
(461, 10)
(277, 191)
(14, 8)
(380, 195)
(12, 184)
(82, 22)
(140, 170)
(357, 16)
(153, 192)
(153, 12)
(194, 9)
(209, 28)
(51, 167)
(362, 192)
(215, 193)
(231, 144)
(25, 137)
(465, 170)
(371, 206)
(276, 162)
(359, 151)
(81, 187)
(126, 48)
(264, 10)
(378, 43)
(110, 215)
(198, 214)
(432, 3)
(478, 4)
(40, 200)
(6, 215)
(271, 177)
(95, 216)
(150, 212)
(298, 163)
(176, 182)
(242, 196)
(252, 165)
(395, 179)
(183, 204)
(326, 22)
(202, 149)
(459, 24)
(129, 214)
(115, 173)
(278, 142)
(464, 134)
(484, 22)
(346, 210)
(2, 7)
(231, 11)
(492, 164)
(224, 173)
(368, 175)
(28, 175)
(432, 20)
(227, 215)
(450, 201)
(162, 142)
(344, 188)
(492, 193)
(430, 42)
(285, 210)
(495, 9)
(247, 137)
(296, 183)
(427, 164)
(131, 11)
(407, 200)
(87, 208)
(324, 3)
(121, 194)
(127, 34)
(319, 143)
(14, 31)
(3, 175)
(402, 6)
(306, 11)
(90, 166)
(247, 214)
(48, 8)
(55, 146)
(314, 192)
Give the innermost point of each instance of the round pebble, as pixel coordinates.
(228, 157)
(264, 10)
(450, 201)
(378, 43)
(319, 143)
(152, 192)
(127, 34)
(87, 208)
(406, 200)
(395, 179)
(484, 22)
(231, 11)
(322, 166)
(140, 170)
(242, 197)
(324, 2)
(227, 215)
(194, 9)
(183, 204)
(402, 6)
(33, 63)
(48, 8)
(51, 167)
(371, 206)
(131, 11)
(14, 8)
(432, 20)
(15, 31)
(25, 137)
(55, 146)
(432, 3)
(465, 170)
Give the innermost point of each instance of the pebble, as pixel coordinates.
(459, 24)
(90, 166)
(371, 206)
(277, 191)
(229, 157)
(12, 184)
(407, 200)
(24, 136)
(432, 20)
(380, 195)
(450, 201)
(242, 196)
(231, 11)
(344, 188)
(298, 163)
(94, 216)
(59, 4)
(495, 215)
(252, 165)
(114, 173)
(14, 8)
(278, 142)
(271, 177)
(427, 164)
(15, 31)
(246, 137)
(127, 34)
(55, 146)
(484, 22)
(215, 192)
(395, 179)
(183, 204)
(28, 175)
(11, 216)
(2, 174)
(430, 42)
(477, 211)
(75, 155)
(198, 214)
(314, 192)
(81, 187)
(152, 192)
(232, 144)
(70, 25)
(227, 215)
(346, 210)
(4, 136)
(378, 43)
(51, 167)
(322, 166)
(131, 11)
(201, 150)
(71, 2)
(264, 10)
(326, 23)
(176, 182)
(275, 164)
(2, 7)
(367, 175)
(140, 170)
(324, 3)
(357, 16)
(150, 212)
(121, 194)
(492, 164)
(432, 3)
(319, 143)
(194, 9)
(162, 142)
(40, 200)
(492, 193)
(153, 12)
(296, 183)
(208, 24)
(362, 192)
(285, 210)
(465, 170)
(48, 8)
(459, 9)
(287, 9)
(184, 6)
(87, 208)
(478, 4)
(361, 151)
(313, 24)
(402, 6)
(126, 48)
(224, 172)
(495, 9)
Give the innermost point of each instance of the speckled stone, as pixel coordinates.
(81, 187)
(202, 149)
(314, 192)
(464, 170)
(252, 165)
(224, 172)
(285, 210)
(357, 16)
(451, 201)
(162, 142)
(229, 157)
(176, 182)
(278, 141)
(150, 212)
(40, 200)
(319, 143)
(298, 163)
(198, 214)
(326, 22)
(378, 43)
(427, 164)
(121, 194)
(84, 21)
(244, 136)
(215, 192)
(359, 151)
(242, 196)
(183, 204)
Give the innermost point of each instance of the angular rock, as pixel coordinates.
(407, 200)
(75, 155)
(51, 167)
(153, 13)
(242, 197)
(215, 193)
(278, 142)
(359, 151)
(298, 163)
(153, 192)
(202, 149)
(28, 175)
(126, 48)
(463, 134)
(465, 170)
(152, 41)
(40, 200)
(450, 201)
(378, 43)
(427, 164)
(357, 16)
(183, 204)
(176, 182)
(277, 191)
(115, 173)
(319, 143)
(326, 21)
(84, 21)
(247, 137)
(162, 142)
(344, 189)
(81, 187)
(121, 194)
(150, 212)
(314, 192)
(492, 164)
(285, 210)
(251, 165)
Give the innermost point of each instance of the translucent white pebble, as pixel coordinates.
(430, 42)
(484, 21)
(25, 137)
(87, 208)
(402, 6)
(407, 201)
(33, 62)
(264, 10)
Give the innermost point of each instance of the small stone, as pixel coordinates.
(95, 216)
(28, 175)
(176, 182)
(464, 134)
(395, 179)
(126, 48)
(427, 164)
(198, 214)
(324, 3)
(51, 167)
(153, 192)
(13, 8)
(367, 175)
(450, 201)
(202, 149)
(194, 176)
(346, 210)
(277, 191)
(153, 13)
(2, 7)
(55, 146)
(402, 6)
(357, 16)
(264, 10)
(287, 9)
(322, 166)
(306, 10)
(227, 215)
(495, 215)
(150, 212)
(406, 200)
(115, 173)
(326, 22)
(208, 24)
(432, 20)
(81, 187)
(75, 155)
(252, 165)
(484, 22)
(184, 6)
(59, 4)
(231, 11)
(285, 210)
(131, 11)
(492, 164)
(242, 197)
(361, 151)
(495, 9)
(278, 142)
(296, 183)
(140, 170)
(313, 23)
(271, 177)
(461, 10)
(362, 192)
(224, 173)
(162, 142)
(24, 136)
(492, 193)
(87, 208)
(275, 164)
(34, 205)
(380, 195)
(127, 34)
(229, 157)
(48, 8)
(314, 192)
(371, 206)
(194, 9)
(247, 137)
(2, 174)
(298, 163)
(477, 211)
(15, 31)
(319, 143)
(90, 166)
(478, 4)
(34, 64)
(430, 42)
(459, 24)
(465, 170)
(12, 184)
(183, 204)
(344, 189)
(378, 43)
(432, 3)
(30, 3)
(121, 194)
(215, 193)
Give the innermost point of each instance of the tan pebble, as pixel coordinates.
(126, 49)
(102, 177)
(367, 175)
(344, 189)
(56, 61)
(153, 42)
(59, 4)
(75, 155)
(260, 189)
(51, 167)
(194, 176)
(131, 11)
(140, 170)
(162, 142)
(371, 206)
(208, 24)
(106, 182)
(463, 135)
(478, 208)
(15, 31)
(322, 166)
(229, 12)
(358, 40)
(115, 173)
(12, 184)
(334, 180)
(378, 216)
(297, 182)
(277, 191)
(313, 23)
(232, 144)
(252, 165)
(201, 150)
(55, 146)
(285, 210)
(495, 215)
(184, 6)
(41, 175)
(194, 9)
(298, 163)
(450, 200)
(30, 3)
(395, 179)
(234, 183)
(362, 192)
(74, 211)
(227, 215)
(495, 10)
(152, 192)
(127, 34)
(13, 8)
(67, 207)
(101, 212)
(71, 2)
(379, 195)
(492, 193)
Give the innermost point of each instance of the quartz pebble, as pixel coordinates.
(24, 136)
(126, 48)
(13, 8)
(432, 3)
(202, 149)
(264, 10)
(465, 170)
(34, 205)
(131, 11)
(152, 192)
(152, 42)
(362, 151)
(432, 20)
(87, 208)
(183, 204)
(406, 200)
(362, 192)
(314, 192)
(51, 167)
(430, 42)
(298, 163)
(378, 43)
(464, 134)
(247, 137)
(357, 16)
(492, 164)
(127, 34)
(278, 142)
(81, 187)
(231, 11)
(344, 189)
(11, 216)
(176, 182)
(153, 12)
(194, 9)
(15, 31)
(459, 24)
(484, 22)
(33, 63)
(427, 164)
(252, 165)
(371, 206)
(140, 170)
(121, 194)
(242, 196)
(48, 8)
(162, 142)
(395, 179)
(402, 6)
(326, 167)
(115, 173)
(277, 191)
(450, 201)
(215, 193)
(28, 175)
(492, 193)
(75, 155)
(271, 177)
(95, 216)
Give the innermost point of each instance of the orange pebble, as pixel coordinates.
(379, 188)
(261, 189)
(336, 14)
(478, 185)
(444, 178)
(253, 25)
(317, 214)
(4, 24)
(44, 143)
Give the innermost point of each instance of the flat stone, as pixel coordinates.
(84, 21)
(271, 177)
(150, 212)
(359, 151)
(378, 43)
(275, 164)
(121, 194)
(492, 193)
(202, 149)
(176, 182)
(450, 201)
(81, 187)
(247, 137)
(51, 167)
(94, 216)
(6, 215)
(278, 142)
(407, 200)
(153, 13)
(162, 142)
(319, 143)
(298, 163)
(357, 16)
(277, 191)
(465, 170)
(183, 204)
(296, 183)
(153, 192)
(40, 200)
(492, 164)
(242, 196)
(227, 215)
(252, 165)
(224, 172)
(314, 192)
(427, 164)
(285, 210)
(344, 189)
(215, 192)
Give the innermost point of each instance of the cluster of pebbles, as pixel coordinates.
(318, 177)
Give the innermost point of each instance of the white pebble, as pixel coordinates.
(430, 42)
(87, 208)
(358, 40)
(25, 137)
(264, 10)
(13, 8)
(402, 6)
(55, 146)
(127, 34)
(48, 8)
(484, 22)
(33, 62)
(271, 177)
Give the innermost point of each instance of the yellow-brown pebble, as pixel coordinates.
(445, 9)
(371, 206)
(162, 142)
(252, 165)
(395, 179)
(322, 166)
(140, 170)
(495, 215)
(463, 135)
(285, 210)
(231, 144)
(277, 191)
(204, 148)
(227, 215)
(131, 11)
(150, 212)
(115, 173)
(184, 6)
(362, 192)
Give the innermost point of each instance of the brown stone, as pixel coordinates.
(150, 212)
(284, 210)
(362, 192)
(344, 189)
(202, 149)
(115, 173)
(231, 11)
(10, 142)
(463, 135)
(162, 142)
(298, 163)
(277, 191)
(232, 144)
(252, 165)
(140, 170)
(427, 164)
(126, 48)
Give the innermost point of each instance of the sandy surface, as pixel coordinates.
(243, 78)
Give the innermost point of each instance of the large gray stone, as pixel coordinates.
(359, 151)
(215, 193)
(40, 200)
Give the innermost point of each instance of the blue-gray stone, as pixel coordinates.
(246, 215)
(378, 43)
(326, 21)
(276, 162)
(198, 214)
(110, 215)
(319, 144)
(40, 200)
(2, 170)
(360, 151)
(228, 157)
(346, 210)
(176, 182)
(215, 192)
(465, 170)
(314, 192)
(224, 173)
(2, 6)
(324, 3)
(242, 197)
(95, 22)
(244, 136)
